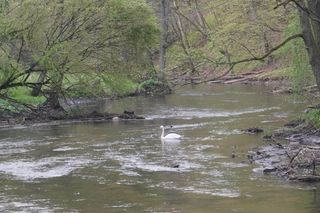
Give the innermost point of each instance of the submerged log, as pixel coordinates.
(130, 115)
(307, 178)
(269, 170)
(254, 130)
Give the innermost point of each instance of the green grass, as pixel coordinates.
(246, 67)
(119, 84)
(277, 74)
(4, 104)
(313, 117)
(23, 95)
(105, 85)
(20, 96)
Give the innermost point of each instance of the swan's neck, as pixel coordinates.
(162, 134)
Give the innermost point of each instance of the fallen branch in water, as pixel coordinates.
(307, 178)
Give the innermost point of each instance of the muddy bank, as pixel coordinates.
(293, 153)
(47, 115)
(74, 110)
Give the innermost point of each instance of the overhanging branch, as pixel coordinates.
(300, 6)
(255, 58)
(261, 58)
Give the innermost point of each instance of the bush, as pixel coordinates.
(154, 87)
(23, 95)
(313, 117)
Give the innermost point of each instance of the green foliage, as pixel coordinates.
(278, 74)
(302, 74)
(141, 31)
(67, 46)
(22, 95)
(240, 30)
(5, 105)
(154, 87)
(235, 30)
(118, 84)
(313, 117)
(148, 83)
(111, 84)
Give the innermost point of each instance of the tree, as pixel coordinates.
(309, 12)
(181, 34)
(164, 13)
(212, 35)
(59, 47)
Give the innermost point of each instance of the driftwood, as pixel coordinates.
(235, 80)
(130, 115)
(253, 130)
(307, 178)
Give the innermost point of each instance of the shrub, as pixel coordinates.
(313, 117)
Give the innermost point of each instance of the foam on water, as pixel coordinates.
(209, 138)
(189, 126)
(45, 168)
(195, 94)
(217, 192)
(190, 113)
(204, 147)
(213, 173)
(281, 114)
(233, 165)
(65, 149)
(131, 164)
(9, 147)
(200, 189)
(13, 151)
(190, 158)
(25, 205)
(226, 132)
(129, 173)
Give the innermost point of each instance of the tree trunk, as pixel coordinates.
(184, 40)
(181, 32)
(37, 89)
(53, 101)
(164, 9)
(255, 18)
(201, 19)
(267, 48)
(309, 15)
(55, 93)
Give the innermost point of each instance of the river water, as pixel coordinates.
(122, 166)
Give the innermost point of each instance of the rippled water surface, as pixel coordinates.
(122, 166)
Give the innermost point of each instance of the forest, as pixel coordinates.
(160, 106)
(93, 49)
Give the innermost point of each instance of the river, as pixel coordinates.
(122, 166)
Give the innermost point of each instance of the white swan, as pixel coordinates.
(171, 136)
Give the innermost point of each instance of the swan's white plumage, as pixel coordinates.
(171, 136)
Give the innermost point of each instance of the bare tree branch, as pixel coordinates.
(309, 12)
(261, 58)
(254, 58)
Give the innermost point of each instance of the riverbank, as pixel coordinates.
(50, 116)
(293, 152)
(279, 81)
(74, 109)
